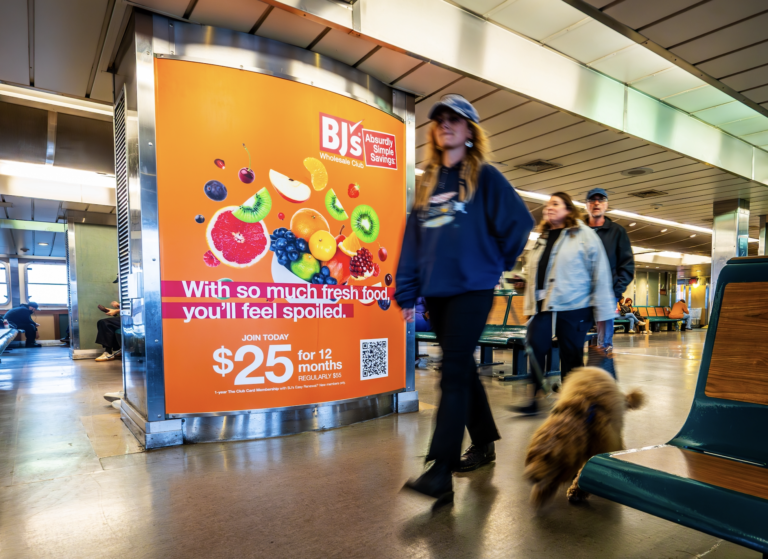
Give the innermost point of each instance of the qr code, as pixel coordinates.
(373, 359)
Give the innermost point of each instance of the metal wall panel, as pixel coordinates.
(85, 143)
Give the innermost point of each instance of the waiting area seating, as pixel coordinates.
(655, 316)
(7, 335)
(713, 476)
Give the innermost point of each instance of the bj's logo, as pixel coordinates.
(341, 136)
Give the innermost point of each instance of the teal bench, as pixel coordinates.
(712, 476)
(655, 316)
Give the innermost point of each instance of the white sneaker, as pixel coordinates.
(641, 323)
(632, 332)
(105, 357)
(118, 353)
(116, 404)
(112, 396)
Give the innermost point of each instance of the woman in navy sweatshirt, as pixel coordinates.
(467, 226)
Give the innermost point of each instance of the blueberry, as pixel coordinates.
(384, 304)
(302, 245)
(215, 191)
(317, 279)
(293, 255)
(280, 243)
(282, 260)
(200, 218)
(331, 281)
(325, 271)
(289, 235)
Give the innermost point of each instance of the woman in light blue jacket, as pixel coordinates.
(569, 287)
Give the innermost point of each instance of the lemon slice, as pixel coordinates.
(318, 172)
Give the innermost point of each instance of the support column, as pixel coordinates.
(15, 282)
(730, 235)
(761, 248)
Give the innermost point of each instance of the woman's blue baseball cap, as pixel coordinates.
(457, 104)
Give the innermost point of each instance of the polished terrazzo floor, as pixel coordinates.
(74, 483)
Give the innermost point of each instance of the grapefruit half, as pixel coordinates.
(234, 242)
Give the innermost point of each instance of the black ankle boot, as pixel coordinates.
(476, 456)
(435, 482)
(531, 408)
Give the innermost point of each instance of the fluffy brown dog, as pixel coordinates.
(587, 420)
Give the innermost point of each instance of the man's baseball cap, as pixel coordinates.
(596, 192)
(457, 104)
(33, 304)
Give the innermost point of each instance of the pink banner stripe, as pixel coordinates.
(230, 311)
(196, 289)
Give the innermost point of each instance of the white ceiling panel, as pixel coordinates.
(469, 88)
(77, 206)
(239, 15)
(101, 209)
(497, 102)
(66, 37)
(516, 117)
(14, 60)
(387, 65)
(666, 83)
(175, 7)
(479, 6)
(102, 87)
(699, 99)
(631, 64)
(574, 139)
(343, 47)
(589, 42)
(22, 207)
(538, 19)
(759, 139)
(746, 126)
(24, 239)
(726, 113)
(288, 28)
(531, 130)
(427, 79)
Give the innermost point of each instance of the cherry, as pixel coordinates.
(281, 216)
(388, 279)
(219, 163)
(341, 237)
(246, 173)
(353, 190)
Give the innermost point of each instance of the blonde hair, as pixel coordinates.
(476, 157)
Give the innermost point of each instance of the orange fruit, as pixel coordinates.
(318, 172)
(350, 245)
(322, 245)
(306, 222)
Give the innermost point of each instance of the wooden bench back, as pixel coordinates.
(499, 310)
(729, 414)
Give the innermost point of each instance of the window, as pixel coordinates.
(47, 284)
(3, 284)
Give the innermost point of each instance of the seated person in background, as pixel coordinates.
(626, 310)
(109, 332)
(21, 318)
(680, 311)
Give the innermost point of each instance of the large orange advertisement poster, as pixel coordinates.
(281, 207)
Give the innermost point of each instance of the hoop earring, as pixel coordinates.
(469, 143)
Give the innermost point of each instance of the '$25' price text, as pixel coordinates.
(225, 365)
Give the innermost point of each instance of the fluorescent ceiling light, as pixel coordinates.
(55, 174)
(55, 100)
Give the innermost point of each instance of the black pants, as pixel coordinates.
(30, 333)
(571, 329)
(458, 322)
(109, 333)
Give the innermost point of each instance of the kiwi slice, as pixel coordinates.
(255, 208)
(334, 207)
(365, 223)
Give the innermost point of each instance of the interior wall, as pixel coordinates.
(653, 289)
(665, 284)
(641, 289)
(96, 267)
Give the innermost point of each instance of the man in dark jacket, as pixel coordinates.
(21, 318)
(619, 251)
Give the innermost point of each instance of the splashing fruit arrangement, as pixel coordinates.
(318, 172)
(235, 242)
(246, 173)
(361, 265)
(292, 190)
(215, 190)
(334, 207)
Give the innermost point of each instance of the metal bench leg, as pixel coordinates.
(486, 357)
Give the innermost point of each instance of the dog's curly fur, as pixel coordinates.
(588, 419)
